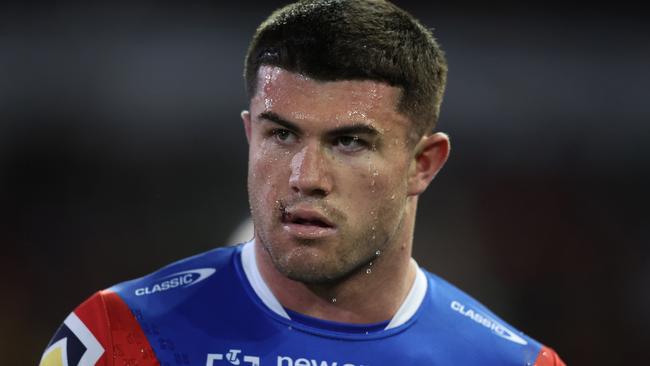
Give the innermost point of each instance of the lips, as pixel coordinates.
(306, 217)
(307, 223)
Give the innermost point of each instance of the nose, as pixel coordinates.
(309, 172)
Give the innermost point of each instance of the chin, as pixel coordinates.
(310, 278)
(300, 265)
(313, 270)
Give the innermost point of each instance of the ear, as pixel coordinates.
(246, 118)
(431, 153)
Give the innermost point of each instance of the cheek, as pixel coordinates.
(372, 188)
(267, 171)
(380, 179)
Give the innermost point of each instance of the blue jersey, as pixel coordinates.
(214, 309)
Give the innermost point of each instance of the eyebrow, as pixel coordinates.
(354, 129)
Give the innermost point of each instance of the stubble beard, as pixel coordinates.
(331, 268)
(352, 254)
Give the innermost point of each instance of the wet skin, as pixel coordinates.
(333, 180)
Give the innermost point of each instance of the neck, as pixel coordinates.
(361, 297)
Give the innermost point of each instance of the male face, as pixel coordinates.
(327, 172)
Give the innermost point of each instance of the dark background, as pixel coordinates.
(121, 149)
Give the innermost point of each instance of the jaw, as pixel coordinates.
(303, 253)
(387, 285)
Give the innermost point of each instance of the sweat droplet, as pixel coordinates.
(333, 299)
(378, 252)
(392, 197)
(368, 271)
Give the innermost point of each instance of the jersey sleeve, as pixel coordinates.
(548, 357)
(102, 331)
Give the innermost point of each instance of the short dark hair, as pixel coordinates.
(333, 40)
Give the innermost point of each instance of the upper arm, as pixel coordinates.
(97, 333)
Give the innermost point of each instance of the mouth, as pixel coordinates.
(307, 218)
(307, 223)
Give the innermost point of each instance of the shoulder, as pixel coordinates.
(185, 273)
(470, 322)
(105, 329)
(463, 309)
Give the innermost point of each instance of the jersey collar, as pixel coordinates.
(408, 308)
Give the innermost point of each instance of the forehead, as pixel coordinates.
(302, 98)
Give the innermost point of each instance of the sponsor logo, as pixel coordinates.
(232, 357)
(496, 327)
(288, 361)
(175, 280)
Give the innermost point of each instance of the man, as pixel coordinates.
(344, 96)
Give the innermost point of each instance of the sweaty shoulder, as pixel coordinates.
(106, 329)
(474, 333)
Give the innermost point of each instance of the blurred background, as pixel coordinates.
(121, 149)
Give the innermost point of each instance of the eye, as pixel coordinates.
(350, 143)
(283, 136)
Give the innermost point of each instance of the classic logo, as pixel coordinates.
(179, 279)
(496, 327)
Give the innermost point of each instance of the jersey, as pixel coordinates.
(214, 309)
